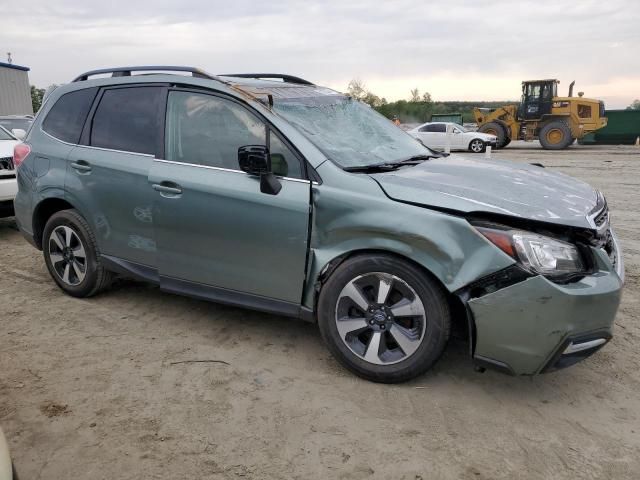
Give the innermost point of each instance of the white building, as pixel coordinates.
(15, 92)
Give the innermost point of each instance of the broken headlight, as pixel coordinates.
(537, 253)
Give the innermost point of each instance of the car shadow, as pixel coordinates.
(455, 365)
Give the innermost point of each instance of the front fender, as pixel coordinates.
(356, 217)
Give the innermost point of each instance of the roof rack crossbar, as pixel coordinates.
(126, 71)
(267, 76)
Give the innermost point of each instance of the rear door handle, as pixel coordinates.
(81, 166)
(163, 188)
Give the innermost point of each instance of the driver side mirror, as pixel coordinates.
(256, 160)
(19, 133)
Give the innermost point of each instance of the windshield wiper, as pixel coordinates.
(388, 166)
(374, 167)
(414, 160)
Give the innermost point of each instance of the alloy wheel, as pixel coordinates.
(380, 318)
(477, 146)
(67, 255)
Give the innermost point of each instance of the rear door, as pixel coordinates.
(426, 134)
(438, 132)
(216, 232)
(107, 175)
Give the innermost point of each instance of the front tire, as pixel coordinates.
(477, 146)
(383, 318)
(72, 256)
(499, 130)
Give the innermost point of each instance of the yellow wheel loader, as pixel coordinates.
(556, 121)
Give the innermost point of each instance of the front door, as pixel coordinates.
(531, 101)
(457, 138)
(213, 226)
(107, 175)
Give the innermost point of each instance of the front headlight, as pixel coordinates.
(537, 253)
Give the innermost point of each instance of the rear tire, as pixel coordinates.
(72, 256)
(555, 135)
(499, 130)
(384, 319)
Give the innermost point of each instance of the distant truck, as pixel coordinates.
(556, 121)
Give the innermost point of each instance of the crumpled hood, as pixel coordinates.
(468, 185)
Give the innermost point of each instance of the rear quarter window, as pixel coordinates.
(66, 118)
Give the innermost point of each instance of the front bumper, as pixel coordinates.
(527, 328)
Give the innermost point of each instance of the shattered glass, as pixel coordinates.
(349, 132)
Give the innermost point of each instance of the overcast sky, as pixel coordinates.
(455, 49)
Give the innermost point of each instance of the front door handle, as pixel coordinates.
(164, 188)
(81, 166)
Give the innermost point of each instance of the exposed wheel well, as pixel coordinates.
(43, 212)
(459, 319)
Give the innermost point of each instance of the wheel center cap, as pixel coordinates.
(379, 317)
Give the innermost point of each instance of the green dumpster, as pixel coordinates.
(447, 117)
(623, 128)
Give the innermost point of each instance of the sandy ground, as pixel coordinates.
(89, 390)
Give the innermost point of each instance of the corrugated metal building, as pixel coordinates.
(15, 92)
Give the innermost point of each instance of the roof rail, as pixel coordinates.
(267, 76)
(126, 71)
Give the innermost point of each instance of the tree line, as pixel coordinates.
(419, 107)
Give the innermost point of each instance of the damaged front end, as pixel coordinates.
(531, 318)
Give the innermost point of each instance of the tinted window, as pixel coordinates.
(436, 127)
(129, 119)
(208, 130)
(66, 118)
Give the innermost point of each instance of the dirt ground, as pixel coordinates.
(89, 389)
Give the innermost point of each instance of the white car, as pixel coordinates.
(8, 184)
(434, 135)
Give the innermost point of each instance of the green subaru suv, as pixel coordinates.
(272, 193)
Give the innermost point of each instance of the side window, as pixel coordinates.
(129, 119)
(66, 118)
(425, 128)
(208, 130)
(584, 111)
(440, 128)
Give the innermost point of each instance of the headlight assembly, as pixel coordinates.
(537, 253)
